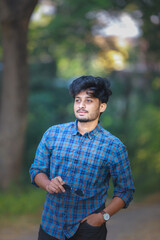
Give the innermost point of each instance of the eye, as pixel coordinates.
(89, 100)
(77, 100)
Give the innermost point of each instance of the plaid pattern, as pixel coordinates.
(86, 162)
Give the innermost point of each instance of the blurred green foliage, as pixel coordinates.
(61, 47)
(19, 202)
(132, 114)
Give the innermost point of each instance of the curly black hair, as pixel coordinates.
(99, 87)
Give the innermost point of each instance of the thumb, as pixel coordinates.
(84, 219)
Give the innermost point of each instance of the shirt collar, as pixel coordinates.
(90, 134)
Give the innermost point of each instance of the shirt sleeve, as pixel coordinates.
(41, 162)
(121, 176)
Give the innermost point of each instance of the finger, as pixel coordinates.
(60, 183)
(84, 219)
(60, 180)
(52, 190)
(54, 184)
(57, 185)
(62, 188)
(59, 188)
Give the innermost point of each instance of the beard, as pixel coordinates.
(83, 119)
(89, 118)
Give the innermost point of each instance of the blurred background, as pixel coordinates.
(46, 44)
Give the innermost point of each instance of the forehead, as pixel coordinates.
(85, 94)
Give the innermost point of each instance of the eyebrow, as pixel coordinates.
(86, 97)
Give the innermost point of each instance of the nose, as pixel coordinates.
(82, 104)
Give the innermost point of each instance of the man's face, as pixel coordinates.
(87, 108)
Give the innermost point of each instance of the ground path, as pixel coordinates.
(138, 222)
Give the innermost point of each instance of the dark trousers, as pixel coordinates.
(84, 232)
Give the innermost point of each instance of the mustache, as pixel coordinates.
(81, 110)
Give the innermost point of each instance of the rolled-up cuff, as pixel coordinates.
(127, 197)
(32, 175)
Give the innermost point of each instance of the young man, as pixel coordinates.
(74, 162)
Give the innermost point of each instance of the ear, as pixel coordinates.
(103, 107)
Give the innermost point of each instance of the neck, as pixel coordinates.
(84, 127)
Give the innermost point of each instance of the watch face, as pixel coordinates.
(106, 216)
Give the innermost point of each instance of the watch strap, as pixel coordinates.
(103, 212)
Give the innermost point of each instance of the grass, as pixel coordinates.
(21, 202)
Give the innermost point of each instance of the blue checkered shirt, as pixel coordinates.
(83, 161)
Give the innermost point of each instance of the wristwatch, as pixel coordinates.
(106, 216)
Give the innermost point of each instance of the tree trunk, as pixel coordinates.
(15, 17)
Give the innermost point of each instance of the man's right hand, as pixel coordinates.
(55, 185)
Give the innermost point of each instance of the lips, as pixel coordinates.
(81, 111)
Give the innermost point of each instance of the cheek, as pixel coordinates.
(95, 108)
(75, 107)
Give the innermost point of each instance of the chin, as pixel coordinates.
(83, 120)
